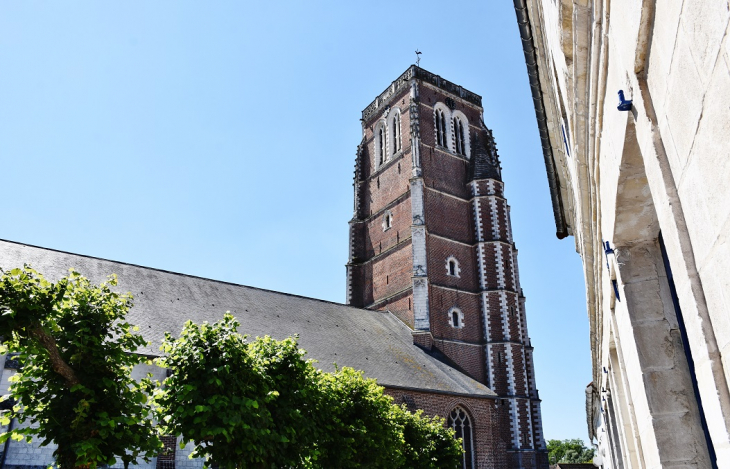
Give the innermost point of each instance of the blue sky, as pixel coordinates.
(218, 139)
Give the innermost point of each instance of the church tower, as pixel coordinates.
(431, 242)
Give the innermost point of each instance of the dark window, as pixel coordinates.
(459, 421)
(443, 130)
(440, 128)
(452, 268)
(459, 137)
(463, 140)
(455, 318)
(381, 144)
(396, 133)
(166, 456)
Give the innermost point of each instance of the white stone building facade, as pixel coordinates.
(645, 192)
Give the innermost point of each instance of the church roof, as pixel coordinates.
(373, 341)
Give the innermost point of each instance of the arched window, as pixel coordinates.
(387, 220)
(452, 267)
(456, 318)
(440, 128)
(459, 140)
(381, 146)
(459, 421)
(396, 133)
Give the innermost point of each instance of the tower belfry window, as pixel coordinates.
(459, 137)
(381, 145)
(440, 128)
(396, 133)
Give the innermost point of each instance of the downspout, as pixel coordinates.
(7, 403)
(528, 47)
(7, 444)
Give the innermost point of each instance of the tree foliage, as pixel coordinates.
(261, 404)
(242, 404)
(77, 352)
(359, 423)
(428, 443)
(256, 404)
(569, 451)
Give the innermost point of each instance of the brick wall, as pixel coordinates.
(450, 217)
(442, 300)
(440, 249)
(470, 221)
(486, 417)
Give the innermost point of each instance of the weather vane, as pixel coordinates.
(418, 58)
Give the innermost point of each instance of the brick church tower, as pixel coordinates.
(431, 242)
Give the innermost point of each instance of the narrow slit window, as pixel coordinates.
(387, 220)
(457, 142)
(443, 130)
(452, 267)
(456, 318)
(459, 137)
(381, 145)
(396, 134)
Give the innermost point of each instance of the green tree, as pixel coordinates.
(569, 451)
(428, 443)
(261, 404)
(241, 404)
(360, 425)
(77, 353)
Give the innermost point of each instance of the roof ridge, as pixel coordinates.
(190, 276)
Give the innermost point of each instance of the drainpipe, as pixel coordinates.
(7, 444)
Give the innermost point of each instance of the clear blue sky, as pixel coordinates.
(218, 139)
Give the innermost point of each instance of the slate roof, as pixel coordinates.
(484, 163)
(373, 341)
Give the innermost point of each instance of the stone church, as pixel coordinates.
(631, 100)
(434, 308)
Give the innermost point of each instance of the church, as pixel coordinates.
(434, 310)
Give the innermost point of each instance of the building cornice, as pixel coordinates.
(531, 60)
(417, 73)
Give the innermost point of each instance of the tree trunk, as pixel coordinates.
(59, 365)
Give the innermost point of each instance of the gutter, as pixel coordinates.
(528, 46)
(7, 444)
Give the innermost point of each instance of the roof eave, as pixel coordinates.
(528, 46)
